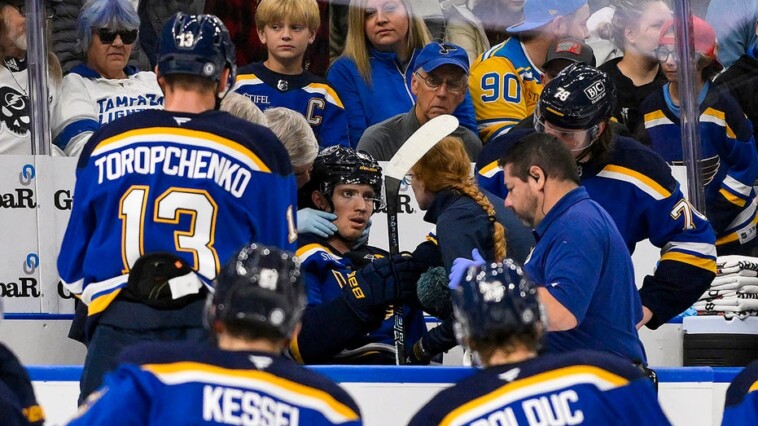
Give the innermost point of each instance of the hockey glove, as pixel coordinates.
(316, 222)
(369, 290)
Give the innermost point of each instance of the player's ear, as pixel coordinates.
(319, 200)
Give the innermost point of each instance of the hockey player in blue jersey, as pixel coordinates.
(351, 291)
(175, 191)
(741, 404)
(498, 316)
(729, 161)
(287, 28)
(242, 378)
(630, 181)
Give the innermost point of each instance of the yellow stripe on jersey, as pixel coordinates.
(541, 383)
(734, 236)
(753, 387)
(656, 118)
(740, 202)
(294, 349)
(180, 135)
(490, 170)
(248, 79)
(699, 262)
(329, 94)
(98, 305)
(309, 250)
(644, 183)
(287, 390)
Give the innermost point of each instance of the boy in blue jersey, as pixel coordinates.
(163, 197)
(499, 317)
(729, 161)
(741, 403)
(630, 181)
(351, 291)
(243, 378)
(287, 28)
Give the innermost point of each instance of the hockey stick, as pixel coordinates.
(420, 142)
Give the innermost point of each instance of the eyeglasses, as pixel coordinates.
(368, 197)
(21, 7)
(108, 36)
(434, 83)
(663, 53)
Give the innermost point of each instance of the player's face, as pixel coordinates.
(14, 37)
(353, 205)
(576, 140)
(286, 40)
(109, 57)
(521, 198)
(438, 92)
(644, 37)
(575, 25)
(386, 25)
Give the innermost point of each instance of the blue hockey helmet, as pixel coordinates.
(261, 287)
(494, 300)
(197, 45)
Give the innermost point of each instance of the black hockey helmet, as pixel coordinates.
(261, 286)
(495, 299)
(579, 97)
(197, 45)
(340, 165)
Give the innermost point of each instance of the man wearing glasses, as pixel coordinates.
(104, 87)
(348, 319)
(15, 119)
(439, 83)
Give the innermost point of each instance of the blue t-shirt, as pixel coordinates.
(581, 259)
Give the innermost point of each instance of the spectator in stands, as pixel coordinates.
(734, 22)
(742, 81)
(373, 75)
(287, 28)
(15, 129)
(440, 83)
(636, 27)
(65, 39)
(496, 16)
(153, 14)
(729, 161)
(506, 81)
(105, 87)
(464, 29)
(241, 106)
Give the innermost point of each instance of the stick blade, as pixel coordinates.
(420, 142)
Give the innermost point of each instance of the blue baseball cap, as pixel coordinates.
(435, 54)
(540, 12)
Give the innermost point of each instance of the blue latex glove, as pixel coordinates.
(461, 265)
(316, 221)
(363, 239)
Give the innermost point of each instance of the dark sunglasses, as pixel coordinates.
(108, 36)
(21, 7)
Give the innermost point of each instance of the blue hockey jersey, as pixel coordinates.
(729, 162)
(183, 384)
(574, 388)
(741, 404)
(635, 186)
(306, 93)
(326, 272)
(197, 185)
